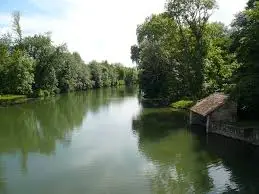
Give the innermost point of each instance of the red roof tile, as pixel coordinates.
(210, 104)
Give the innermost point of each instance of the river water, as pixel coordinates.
(105, 142)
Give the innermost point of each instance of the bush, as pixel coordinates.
(182, 104)
(42, 93)
(121, 82)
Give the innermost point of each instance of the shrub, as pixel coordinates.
(43, 93)
(182, 104)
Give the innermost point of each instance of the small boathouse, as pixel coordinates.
(214, 108)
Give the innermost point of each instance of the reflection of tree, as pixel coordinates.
(2, 179)
(153, 124)
(102, 97)
(36, 127)
(179, 166)
(181, 158)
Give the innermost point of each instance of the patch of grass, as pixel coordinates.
(182, 104)
(12, 99)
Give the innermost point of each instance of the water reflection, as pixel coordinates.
(88, 143)
(37, 127)
(2, 180)
(178, 165)
(240, 161)
(189, 161)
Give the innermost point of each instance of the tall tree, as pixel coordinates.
(191, 17)
(245, 44)
(33, 65)
(156, 57)
(40, 48)
(220, 63)
(17, 26)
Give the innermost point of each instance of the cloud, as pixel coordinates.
(228, 9)
(101, 29)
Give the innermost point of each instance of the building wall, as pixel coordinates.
(226, 113)
(197, 119)
(249, 135)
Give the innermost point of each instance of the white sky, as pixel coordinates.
(102, 29)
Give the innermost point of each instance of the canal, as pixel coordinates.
(105, 142)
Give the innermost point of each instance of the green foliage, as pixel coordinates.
(34, 66)
(180, 54)
(131, 76)
(39, 47)
(21, 73)
(42, 93)
(245, 44)
(12, 99)
(182, 104)
(106, 75)
(220, 63)
(96, 73)
(156, 43)
(168, 68)
(16, 72)
(121, 82)
(191, 18)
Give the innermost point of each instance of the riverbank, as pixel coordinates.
(183, 104)
(160, 102)
(10, 99)
(6, 100)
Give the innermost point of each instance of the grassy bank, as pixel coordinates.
(182, 104)
(160, 102)
(6, 100)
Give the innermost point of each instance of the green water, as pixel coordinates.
(105, 142)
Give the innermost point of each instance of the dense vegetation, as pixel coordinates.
(34, 66)
(181, 55)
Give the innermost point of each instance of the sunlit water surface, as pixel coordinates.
(105, 142)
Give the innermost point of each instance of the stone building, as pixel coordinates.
(215, 108)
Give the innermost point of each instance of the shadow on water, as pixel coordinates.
(164, 140)
(154, 124)
(190, 161)
(239, 158)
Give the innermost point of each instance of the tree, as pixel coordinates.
(191, 17)
(220, 63)
(39, 47)
(83, 78)
(160, 53)
(17, 26)
(120, 71)
(33, 65)
(16, 72)
(131, 76)
(245, 43)
(4, 63)
(135, 53)
(96, 72)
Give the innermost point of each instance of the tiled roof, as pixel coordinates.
(210, 104)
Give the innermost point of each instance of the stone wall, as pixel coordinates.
(228, 112)
(249, 135)
(197, 119)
